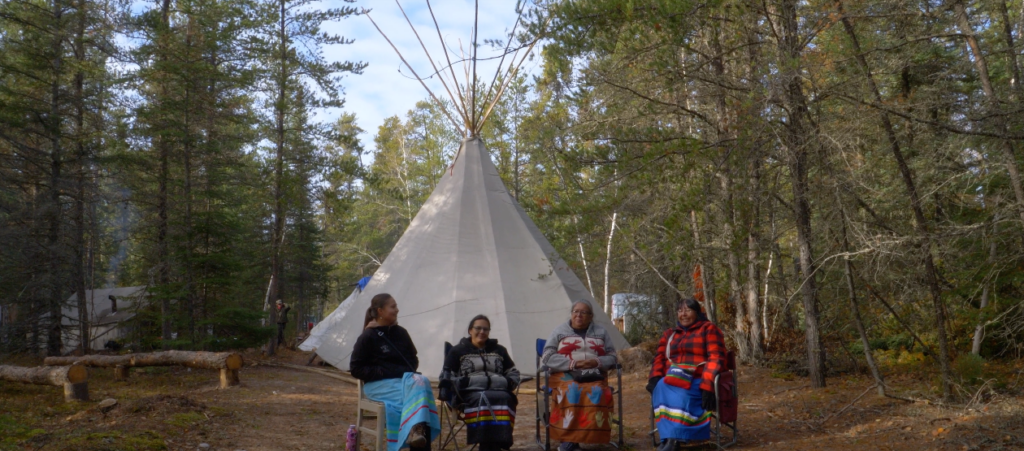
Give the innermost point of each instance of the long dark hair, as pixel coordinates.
(378, 302)
(692, 304)
(474, 320)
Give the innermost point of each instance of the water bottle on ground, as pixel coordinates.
(352, 439)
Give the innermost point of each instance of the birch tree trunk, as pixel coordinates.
(607, 264)
(583, 255)
(753, 308)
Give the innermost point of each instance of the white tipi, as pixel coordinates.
(471, 249)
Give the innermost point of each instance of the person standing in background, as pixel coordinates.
(282, 320)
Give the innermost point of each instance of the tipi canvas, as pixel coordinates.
(470, 250)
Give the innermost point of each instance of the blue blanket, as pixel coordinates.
(408, 401)
(678, 413)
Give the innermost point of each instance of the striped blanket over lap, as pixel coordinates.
(678, 412)
(408, 401)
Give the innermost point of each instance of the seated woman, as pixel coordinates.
(384, 358)
(481, 378)
(682, 378)
(578, 355)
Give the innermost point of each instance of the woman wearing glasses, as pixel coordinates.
(479, 378)
(578, 355)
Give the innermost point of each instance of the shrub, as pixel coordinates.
(970, 368)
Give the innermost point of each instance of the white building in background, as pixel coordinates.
(624, 308)
(110, 311)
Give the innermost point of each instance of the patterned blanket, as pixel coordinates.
(580, 412)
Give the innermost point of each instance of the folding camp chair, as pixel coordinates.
(376, 411)
(452, 421)
(451, 415)
(543, 398)
(724, 417)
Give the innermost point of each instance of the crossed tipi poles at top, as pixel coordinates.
(465, 97)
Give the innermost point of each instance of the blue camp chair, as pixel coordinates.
(544, 391)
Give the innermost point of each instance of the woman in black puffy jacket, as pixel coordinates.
(480, 379)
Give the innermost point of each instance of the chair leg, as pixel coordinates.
(381, 432)
(622, 440)
(654, 429)
(547, 412)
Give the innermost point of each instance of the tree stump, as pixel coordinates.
(76, 392)
(228, 378)
(121, 372)
(73, 378)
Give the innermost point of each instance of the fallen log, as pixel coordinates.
(192, 359)
(227, 362)
(73, 378)
(94, 360)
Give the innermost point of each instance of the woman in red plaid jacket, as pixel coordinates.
(682, 377)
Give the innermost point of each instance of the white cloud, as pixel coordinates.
(381, 91)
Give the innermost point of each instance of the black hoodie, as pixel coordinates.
(383, 352)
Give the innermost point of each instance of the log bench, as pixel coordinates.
(227, 362)
(73, 378)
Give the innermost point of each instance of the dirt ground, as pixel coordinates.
(279, 408)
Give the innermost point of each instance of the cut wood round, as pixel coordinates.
(45, 375)
(192, 359)
(76, 392)
(228, 378)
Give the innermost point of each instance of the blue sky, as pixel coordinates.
(381, 91)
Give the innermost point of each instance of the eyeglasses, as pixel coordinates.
(581, 313)
(482, 329)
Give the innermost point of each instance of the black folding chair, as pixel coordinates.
(456, 422)
(543, 398)
(725, 415)
(452, 421)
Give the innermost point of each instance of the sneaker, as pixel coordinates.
(568, 446)
(417, 436)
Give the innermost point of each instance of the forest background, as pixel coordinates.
(846, 174)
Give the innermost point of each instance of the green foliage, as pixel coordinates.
(970, 368)
(235, 328)
(894, 342)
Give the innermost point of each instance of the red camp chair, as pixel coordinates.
(728, 407)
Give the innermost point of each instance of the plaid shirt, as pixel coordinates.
(701, 342)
